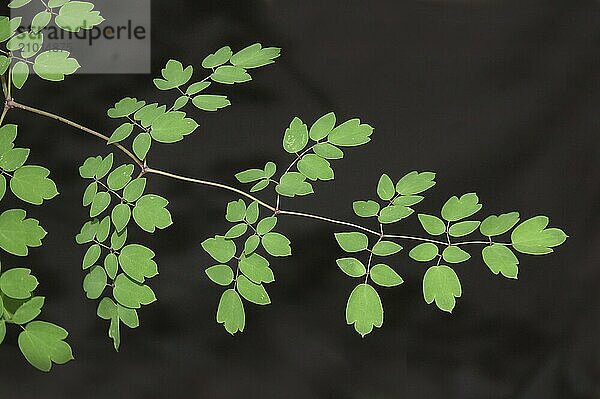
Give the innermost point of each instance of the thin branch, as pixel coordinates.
(148, 170)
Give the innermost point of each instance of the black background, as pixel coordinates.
(498, 97)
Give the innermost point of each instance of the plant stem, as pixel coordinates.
(10, 103)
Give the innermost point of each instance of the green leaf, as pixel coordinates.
(40, 21)
(87, 232)
(18, 233)
(99, 204)
(89, 193)
(103, 229)
(4, 64)
(56, 3)
(533, 238)
(8, 134)
(496, 225)
(117, 239)
(111, 265)
(236, 231)
(134, 190)
(196, 88)
(28, 43)
(276, 244)
(120, 133)
(424, 252)
(255, 56)
(77, 15)
(137, 262)
(172, 127)
(292, 184)
(351, 133)
(385, 276)
(210, 102)
(385, 188)
(42, 343)
(251, 244)
(8, 27)
(322, 127)
(149, 113)
(351, 266)
(415, 183)
(150, 213)
(20, 73)
(219, 57)
(365, 209)
(89, 167)
(174, 75)
(254, 293)
(352, 241)
(105, 166)
(125, 107)
(459, 208)
(454, 254)
(261, 185)
(328, 151)
(236, 211)
(500, 259)
(31, 184)
(386, 248)
(250, 175)
(219, 248)
(220, 274)
(141, 145)
(120, 216)
(364, 309)
(230, 312)
(180, 102)
(94, 282)
(13, 159)
(432, 224)
(266, 225)
(394, 213)
(408, 200)
(252, 213)
(91, 256)
(132, 294)
(441, 285)
(28, 311)
(228, 74)
(295, 137)
(54, 65)
(18, 3)
(256, 268)
(462, 229)
(315, 168)
(18, 283)
(119, 177)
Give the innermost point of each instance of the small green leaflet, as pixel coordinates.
(218, 58)
(424, 252)
(254, 293)
(266, 225)
(8, 27)
(322, 127)
(228, 74)
(276, 244)
(352, 241)
(42, 344)
(132, 294)
(441, 284)
(150, 213)
(256, 268)
(18, 3)
(31, 184)
(28, 311)
(386, 248)
(385, 276)
(20, 73)
(120, 133)
(77, 15)
(220, 274)
(29, 43)
(459, 208)
(17, 234)
(134, 190)
(292, 184)
(532, 237)
(172, 127)
(255, 56)
(315, 168)
(295, 137)
(40, 21)
(385, 188)
(221, 249)
(236, 211)
(365, 209)
(148, 114)
(18, 283)
(141, 145)
(94, 282)
(394, 213)
(496, 225)
(462, 229)
(432, 224)
(174, 75)
(120, 177)
(54, 65)
(210, 102)
(364, 309)
(137, 262)
(230, 312)
(120, 216)
(500, 259)
(13, 159)
(454, 254)
(352, 267)
(415, 183)
(99, 204)
(125, 107)
(351, 133)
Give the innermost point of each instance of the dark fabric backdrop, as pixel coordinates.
(498, 97)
